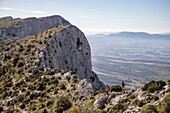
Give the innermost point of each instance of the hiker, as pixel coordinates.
(123, 85)
(107, 89)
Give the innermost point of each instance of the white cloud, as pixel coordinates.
(22, 10)
(6, 8)
(37, 12)
(83, 16)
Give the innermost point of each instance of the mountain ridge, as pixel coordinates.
(133, 35)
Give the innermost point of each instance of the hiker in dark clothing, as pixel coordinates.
(123, 85)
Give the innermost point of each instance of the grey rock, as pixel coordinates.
(29, 26)
(69, 50)
(84, 89)
(167, 89)
(111, 96)
(100, 103)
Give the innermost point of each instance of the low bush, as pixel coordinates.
(137, 102)
(149, 109)
(1, 109)
(153, 86)
(15, 61)
(62, 86)
(22, 105)
(41, 86)
(96, 92)
(62, 103)
(168, 82)
(20, 64)
(118, 108)
(89, 102)
(155, 97)
(165, 105)
(116, 88)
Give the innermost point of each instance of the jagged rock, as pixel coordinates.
(167, 88)
(85, 89)
(111, 96)
(100, 103)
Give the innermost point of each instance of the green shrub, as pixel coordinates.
(50, 72)
(15, 61)
(62, 86)
(96, 92)
(89, 102)
(22, 105)
(49, 36)
(118, 108)
(1, 109)
(116, 88)
(73, 72)
(49, 103)
(33, 96)
(165, 105)
(149, 109)
(155, 97)
(62, 103)
(41, 86)
(43, 111)
(168, 82)
(153, 86)
(59, 110)
(138, 103)
(35, 71)
(3, 70)
(20, 64)
(4, 94)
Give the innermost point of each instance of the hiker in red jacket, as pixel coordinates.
(107, 89)
(123, 85)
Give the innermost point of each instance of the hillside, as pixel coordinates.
(52, 72)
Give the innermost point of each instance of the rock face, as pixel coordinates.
(29, 26)
(68, 49)
(62, 45)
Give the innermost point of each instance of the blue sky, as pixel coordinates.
(93, 16)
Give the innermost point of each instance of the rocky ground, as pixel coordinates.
(52, 90)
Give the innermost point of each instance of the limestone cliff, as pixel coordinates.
(68, 49)
(29, 26)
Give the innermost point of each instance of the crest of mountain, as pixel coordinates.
(64, 46)
(139, 35)
(21, 28)
(133, 35)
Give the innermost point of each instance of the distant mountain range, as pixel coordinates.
(133, 35)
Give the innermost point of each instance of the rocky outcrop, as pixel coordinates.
(30, 26)
(68, 49)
